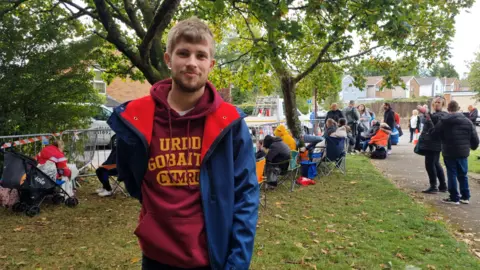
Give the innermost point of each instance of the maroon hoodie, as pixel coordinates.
(172, 229)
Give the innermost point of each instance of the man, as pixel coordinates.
(278, 159)
(352, 116)
(188, 157)
(473, 114)
(458, 136)
(389, 119)
(334, 113)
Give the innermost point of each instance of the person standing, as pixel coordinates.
(431, 146)
(335, 114)
(364, 125)
(187, 156)
(352, 116)
(389, 119)
(458, 136)
(414, 124)
(473, 114)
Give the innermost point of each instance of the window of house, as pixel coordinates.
(98, 82)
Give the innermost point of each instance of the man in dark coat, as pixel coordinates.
(473, 114)
(458, 136)
(335, 114)
(278, 158)
(389, 119)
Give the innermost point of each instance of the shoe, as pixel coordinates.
(389, 152)
(99, 190)
(449, 201)
(430, 191)
(105, 193)
(464, 201)
(443, 190)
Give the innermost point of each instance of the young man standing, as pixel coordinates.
(389, 119)
(188, 157)
(458, 136)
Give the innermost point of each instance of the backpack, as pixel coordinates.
(379, 153)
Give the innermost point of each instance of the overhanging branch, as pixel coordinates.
(136, 25)
(12, 8)
(162, 18)
(350, 56)
(236, 59)
(79, 8)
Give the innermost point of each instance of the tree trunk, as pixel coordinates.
(290, 101)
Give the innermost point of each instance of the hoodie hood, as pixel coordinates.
(280, 131)
(269, 140)
(208, 103)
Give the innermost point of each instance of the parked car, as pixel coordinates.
(104, 134)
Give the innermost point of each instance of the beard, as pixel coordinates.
(188, 88)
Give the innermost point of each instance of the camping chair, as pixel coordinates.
(293, 168)
(335, 155)
(260, 168)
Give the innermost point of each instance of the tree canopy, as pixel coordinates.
(40, 75)
(443, 70)
(474, 74)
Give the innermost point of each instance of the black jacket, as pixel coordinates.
(473, 115)
(428, 142)
(389, 118)
(372, 131)
(335, 115)
(458, 135)
(278, 151)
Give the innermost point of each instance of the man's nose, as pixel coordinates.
(192, 61)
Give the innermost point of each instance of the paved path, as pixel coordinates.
(407, 171)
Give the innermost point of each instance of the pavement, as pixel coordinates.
(407, 171)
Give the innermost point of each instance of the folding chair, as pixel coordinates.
(293, 167)
(335, 155)
(260, 167)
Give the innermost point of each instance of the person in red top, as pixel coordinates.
(54, 153)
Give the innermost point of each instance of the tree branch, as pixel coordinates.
(351, 56)
(160, 21)
(147, 12)
(12, 8)
(84, 10)
(236, 59)
(321, 54)
(136, 25)
(118, 14)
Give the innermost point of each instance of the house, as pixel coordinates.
(430, 86)
(374, 88)
(349, 91)
(124, 90)
(464, 98)
(451, 84)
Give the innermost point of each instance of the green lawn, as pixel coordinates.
(360, 221)
(474, 162)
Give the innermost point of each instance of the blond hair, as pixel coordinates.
(191, 30)
(59, 144)
(415, 112)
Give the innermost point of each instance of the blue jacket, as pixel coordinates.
(228, 181)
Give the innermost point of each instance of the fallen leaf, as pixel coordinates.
(23, 249)
(351, 244)
(316, 241)
(300, 245)
(260, 253)
(135, 260)
(431, 267)
(21, 263)
(340, 247)
(324, 251)
(477, 253)
(381, 231)
(400, 256)
(279, 216)
(82, 248)
(428, 250)
(330, 226)
(3, 257)
(476, 240)
(18, 229)
(329, 231)
(277, 243)
(353, 182)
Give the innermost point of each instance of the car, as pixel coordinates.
(104, 134)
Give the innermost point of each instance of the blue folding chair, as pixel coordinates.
(335, 156)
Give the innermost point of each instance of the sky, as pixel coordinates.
(467, 40)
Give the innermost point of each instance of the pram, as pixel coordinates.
(34, 186)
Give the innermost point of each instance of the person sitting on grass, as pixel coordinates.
(366, 136)
(380, 139)
(108, 168)
(278, 159)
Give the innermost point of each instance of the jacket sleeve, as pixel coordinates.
(246, 202)
(474, 116)
(474, 139)
(437, 129)
(123, 167)
(356, 114)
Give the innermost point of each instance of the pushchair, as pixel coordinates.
(34, 186)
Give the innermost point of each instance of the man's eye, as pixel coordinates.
(183, 53)
(202, 56)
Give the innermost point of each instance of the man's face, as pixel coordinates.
(385, 107)
(470, 108)
(190, 64)
(437, 104)
(334, 107)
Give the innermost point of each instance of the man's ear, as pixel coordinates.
(212, 64)
(168, 59)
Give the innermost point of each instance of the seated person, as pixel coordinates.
(380, 139)
(278, 152)
(342, 130)
(367, 135)
(54, 153)
(331, 129)
(260, 151)
(281, 132)
(108, 168)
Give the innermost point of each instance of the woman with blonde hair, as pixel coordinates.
(414, 124)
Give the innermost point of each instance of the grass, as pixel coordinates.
(474, 162)
(360, 221)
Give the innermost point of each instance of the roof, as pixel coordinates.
(374, 80)
(426, 80)
(111, 102)
(406, 79)
(448, 81)
(124, 90)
